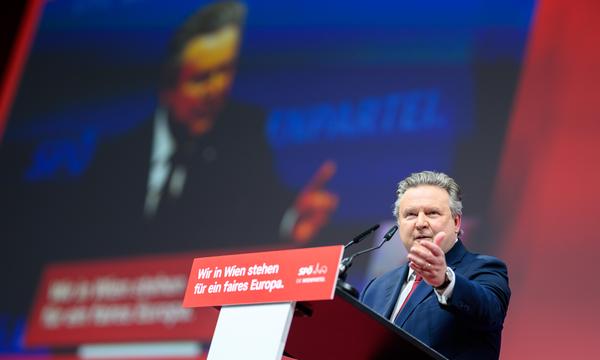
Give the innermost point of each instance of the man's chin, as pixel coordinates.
(197, 126)
(200, 127)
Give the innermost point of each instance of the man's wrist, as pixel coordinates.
(447, 281)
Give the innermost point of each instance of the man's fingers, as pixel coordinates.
(435, 249)
(314, 205)
(322, 176)
(428, 260)
(423, 264)
(416, 267)
(438, 238)
(317, 201)
(428, 273)
(423, 253)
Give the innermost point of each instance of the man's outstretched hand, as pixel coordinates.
(314, 204)
(427, 259)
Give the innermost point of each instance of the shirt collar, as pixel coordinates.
(411, 275)
(163, 143)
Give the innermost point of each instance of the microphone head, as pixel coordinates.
(363, 234)
(358, 238)
(390, 233)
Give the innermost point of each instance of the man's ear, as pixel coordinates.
(457, 223)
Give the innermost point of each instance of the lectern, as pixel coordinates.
(286, 304)
(344, 328)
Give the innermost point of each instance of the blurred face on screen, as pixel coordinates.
(205, 78)
(423, 212)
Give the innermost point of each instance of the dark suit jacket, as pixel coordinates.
(235, 199)
(470, 326)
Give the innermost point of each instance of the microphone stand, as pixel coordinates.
(347, 263)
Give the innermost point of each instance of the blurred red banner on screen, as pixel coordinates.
(129, 299)
(264, 277)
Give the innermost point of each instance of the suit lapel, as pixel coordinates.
(456, 254)
(453, 258)
(421, 292)
(392, 291)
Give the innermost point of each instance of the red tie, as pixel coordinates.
(418, 279)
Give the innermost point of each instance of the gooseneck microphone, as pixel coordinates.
(347, 262)
(358, 238)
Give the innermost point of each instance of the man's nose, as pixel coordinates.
(421, 220)
(218, 82)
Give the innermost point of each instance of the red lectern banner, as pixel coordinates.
(118, 300)
(264, 277)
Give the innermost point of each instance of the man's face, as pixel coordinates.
(205, 78)
(423, 212)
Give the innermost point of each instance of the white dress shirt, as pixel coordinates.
(163, 147)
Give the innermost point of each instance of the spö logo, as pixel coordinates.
(316, 269)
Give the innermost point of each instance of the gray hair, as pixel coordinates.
(438, 179)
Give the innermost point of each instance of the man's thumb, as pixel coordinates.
(438, 238)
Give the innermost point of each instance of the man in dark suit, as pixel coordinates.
(451, 299)
(198, 173)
